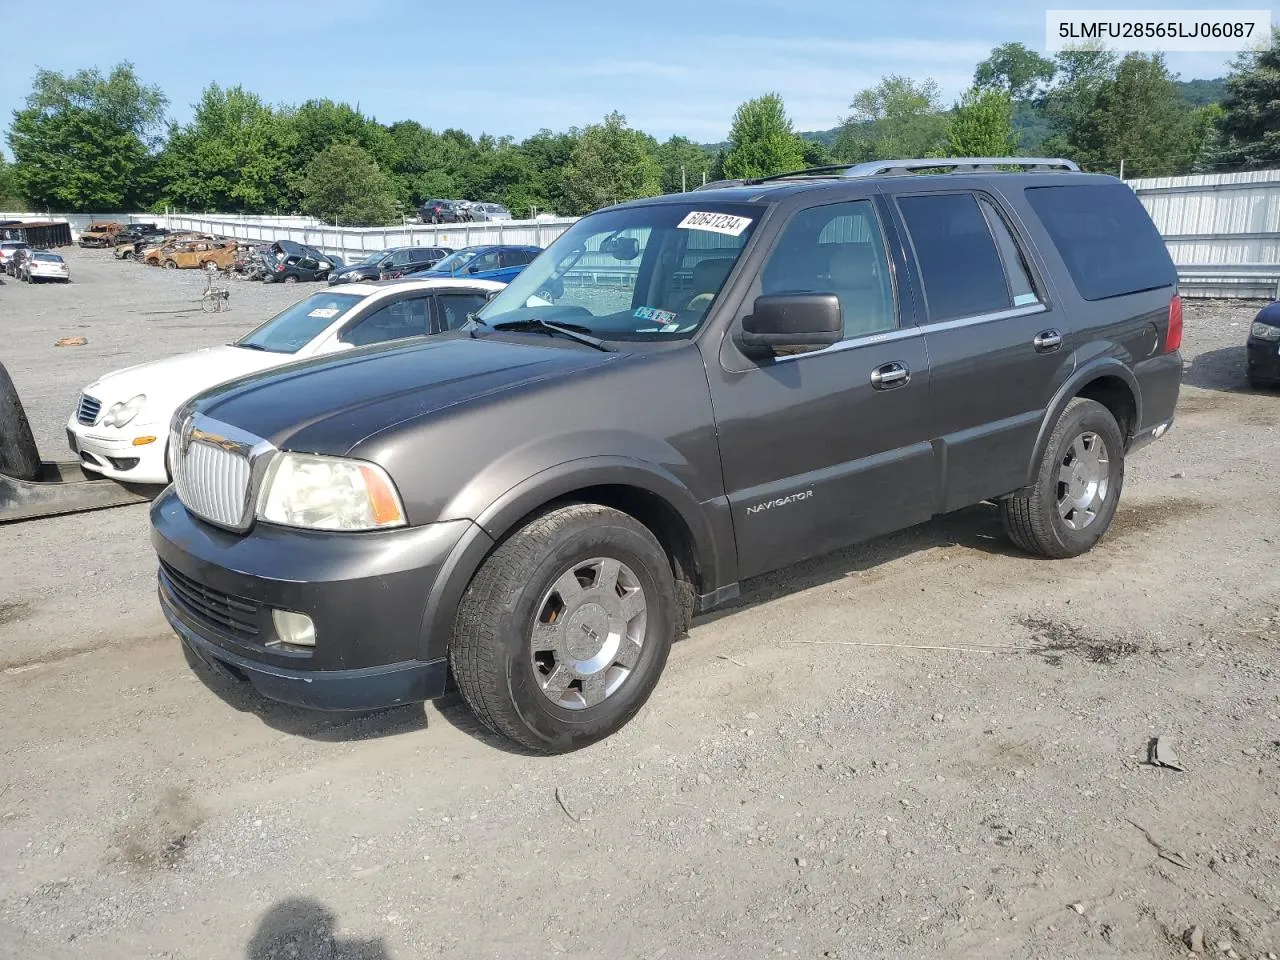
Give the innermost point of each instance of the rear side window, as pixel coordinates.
(957, 255)
(1106, 239)
(1021, 290)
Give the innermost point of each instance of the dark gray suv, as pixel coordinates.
(680, 393)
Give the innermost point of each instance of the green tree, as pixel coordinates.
(342, 184)
(9, 199)
(1070, 105)
(982, 125)
(317, 124)
(233, 155)
(761, 140)
(610, 163)
(547, 155)
(896, 118)
(816, 153)
(1017, 70)
(683, 164)
(83, 142)
(1136, 115)
(1250, 123)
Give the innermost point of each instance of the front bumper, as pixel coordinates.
(117, 457)
(366, 593)
(1263, 360)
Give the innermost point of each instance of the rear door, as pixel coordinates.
(825, 448)
(998, 345)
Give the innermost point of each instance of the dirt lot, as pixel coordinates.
(968, 780)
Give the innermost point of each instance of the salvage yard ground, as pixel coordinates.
(957, 770)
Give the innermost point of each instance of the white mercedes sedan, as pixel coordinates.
(120, 425)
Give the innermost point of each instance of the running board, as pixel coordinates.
(61, 488)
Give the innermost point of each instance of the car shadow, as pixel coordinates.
(302, 928)
(1223, 369)
(323, 726)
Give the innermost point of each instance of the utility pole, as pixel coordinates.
(704, 176)
(684, 187)
(1122, 168)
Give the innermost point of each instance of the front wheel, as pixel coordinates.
(561, 636)
(170, 265)
(1077, 487)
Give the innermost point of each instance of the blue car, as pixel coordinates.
(499, 262)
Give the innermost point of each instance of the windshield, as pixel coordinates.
(455, 261)
(373, 259)
(293, 328)
(639, 273)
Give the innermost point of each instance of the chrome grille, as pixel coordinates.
(88, 410)
(212, 482)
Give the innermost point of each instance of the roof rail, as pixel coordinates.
(957, 165)
(892, 168)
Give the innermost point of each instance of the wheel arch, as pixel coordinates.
(1105, 380)
(644, 491)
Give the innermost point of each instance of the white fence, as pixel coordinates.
(355, 243)
(1222, 230)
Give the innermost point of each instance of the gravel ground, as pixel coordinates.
(956, 771)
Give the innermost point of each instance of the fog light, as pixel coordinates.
(294, 628)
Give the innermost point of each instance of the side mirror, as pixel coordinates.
(473, 269)
(621, 248)
(553, 289)
(806, 321)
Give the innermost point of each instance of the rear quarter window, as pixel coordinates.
(1107, 241)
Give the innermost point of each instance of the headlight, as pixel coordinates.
(329, 493)
(1264, 331)
(121, 413)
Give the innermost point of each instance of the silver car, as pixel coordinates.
(490, 211)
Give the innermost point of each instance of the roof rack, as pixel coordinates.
(897, 168)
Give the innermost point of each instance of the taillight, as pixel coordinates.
(279, 268)
(1173, 339)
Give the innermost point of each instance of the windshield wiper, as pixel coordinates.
(572, 331)
(251, 346)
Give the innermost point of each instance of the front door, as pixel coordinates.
(825, 448)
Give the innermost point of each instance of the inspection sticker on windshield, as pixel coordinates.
(653, 313)
(324, 313)
(725, 223)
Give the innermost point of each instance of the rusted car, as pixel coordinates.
(100, 233)
(201, 253)
(157, 255)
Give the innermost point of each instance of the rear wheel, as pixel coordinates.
(561, 636)
(170, 265)
(291, 279)
(1077, 488)
(18, 455)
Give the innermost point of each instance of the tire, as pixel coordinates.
(291, 279)
(170, 265)
(1045, 518)
(18, 455)
(518, 588)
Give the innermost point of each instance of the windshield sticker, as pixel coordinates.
(653, 313)
(324, 313)
(725, 223)
(670, 327)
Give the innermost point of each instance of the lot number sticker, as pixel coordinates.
(725, 223)
(324, 313)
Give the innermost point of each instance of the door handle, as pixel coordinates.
(890, 375)
(1047, 341)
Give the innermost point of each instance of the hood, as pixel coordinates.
(169, 382)
(329, 404)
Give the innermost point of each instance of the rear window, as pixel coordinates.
(1109, 244)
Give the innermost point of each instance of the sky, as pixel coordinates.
(511, 67)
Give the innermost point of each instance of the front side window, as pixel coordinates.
(296, 326)
(395, 321)
(836, 248)
(456, 307)
(648, 272)
(959, 264)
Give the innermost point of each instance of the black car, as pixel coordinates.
(136, 237)
(366, 269)
(1262, 349)
(442, 211)
(681, 393)
(290, 262)
(407, 260)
